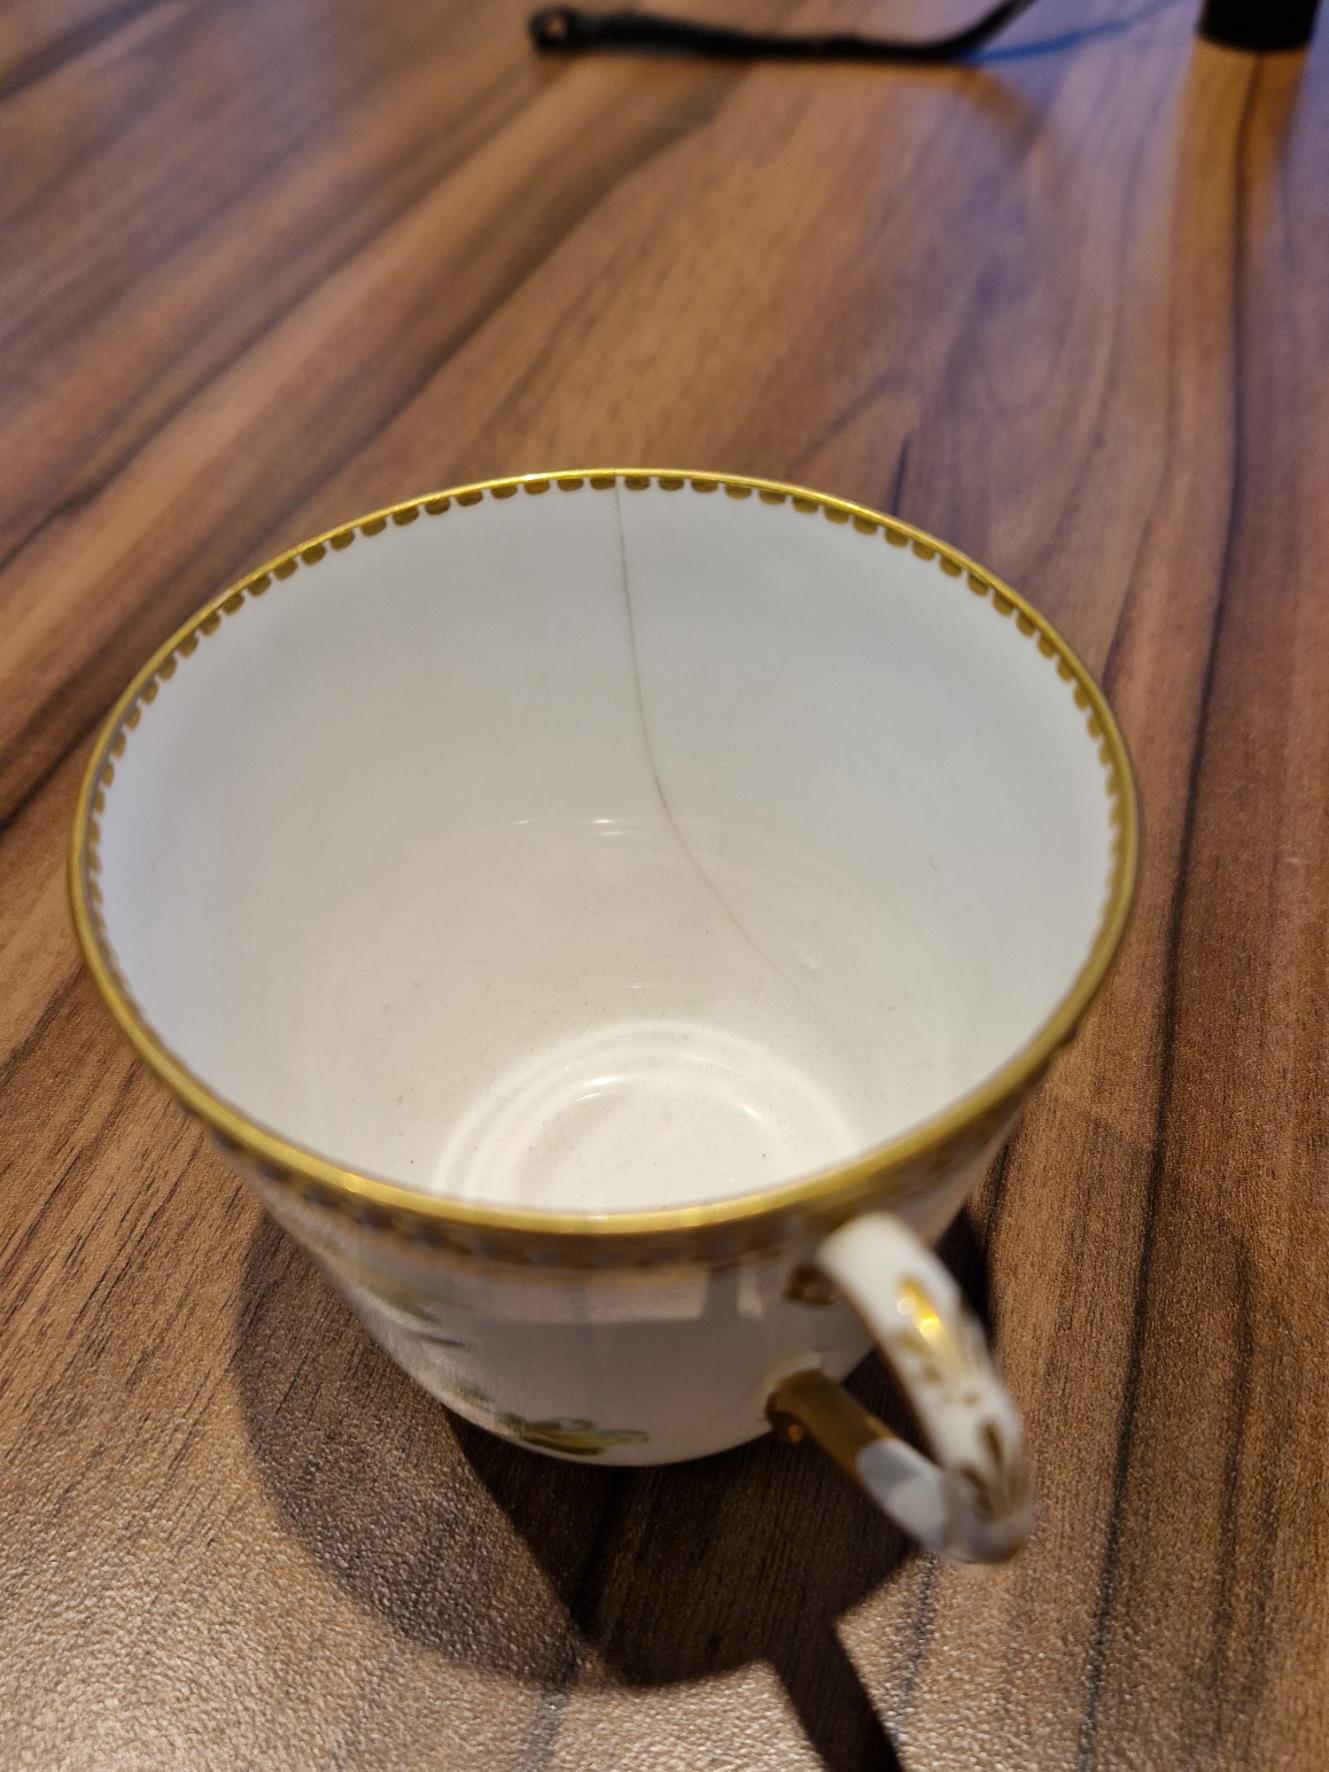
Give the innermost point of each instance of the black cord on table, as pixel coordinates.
(570, 30)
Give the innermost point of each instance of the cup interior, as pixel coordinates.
(609, 846)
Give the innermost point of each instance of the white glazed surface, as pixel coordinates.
(606, 850)
(937, 1351)
(625, 1368)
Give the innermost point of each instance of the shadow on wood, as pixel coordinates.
(546, 1571)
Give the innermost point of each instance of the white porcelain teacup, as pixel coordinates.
(612, 918)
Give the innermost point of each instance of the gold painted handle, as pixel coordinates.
(970, 1499)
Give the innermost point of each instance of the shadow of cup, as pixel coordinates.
(540, 1570)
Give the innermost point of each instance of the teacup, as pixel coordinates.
(612, 919)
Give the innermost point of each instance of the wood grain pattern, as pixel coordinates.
(266, 265)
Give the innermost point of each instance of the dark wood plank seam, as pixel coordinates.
(455, 342)
(87, 494)
(864, 401)
(69, 45)
(897, 482)
(920, 1633)
(861, 403)
(1244, 1355)
(24, 1048)
(1126, 609)
(1051, 545)
(31, 794)
(1121, 626)
(1220, 1680)
(549, 1719)
(68, 505)
(996, 1190)
(1109, 1569)
(84, 495)
(91, 148)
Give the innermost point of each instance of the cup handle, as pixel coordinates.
(970, 1500)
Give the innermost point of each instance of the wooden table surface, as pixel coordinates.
(268, 264)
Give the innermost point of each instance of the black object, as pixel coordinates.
(1240, 24)
(1259, 24)
(569, 29)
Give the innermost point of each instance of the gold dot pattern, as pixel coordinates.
(721, 1241)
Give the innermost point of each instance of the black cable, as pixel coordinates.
(569, 30)
(1259, 24)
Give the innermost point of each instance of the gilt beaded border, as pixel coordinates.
(719, 1234)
